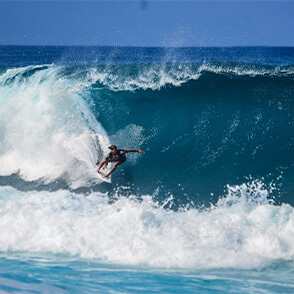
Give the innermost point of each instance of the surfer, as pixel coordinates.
(118, 156)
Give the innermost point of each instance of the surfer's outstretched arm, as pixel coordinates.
(133, 150)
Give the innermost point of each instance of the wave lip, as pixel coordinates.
(238, 234)
(156, 76)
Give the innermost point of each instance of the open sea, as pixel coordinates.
(209, 206)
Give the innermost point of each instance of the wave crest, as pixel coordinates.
(157, 76)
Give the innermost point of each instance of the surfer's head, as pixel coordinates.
(113, 148)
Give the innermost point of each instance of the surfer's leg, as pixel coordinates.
(121, 161)
(113, 169)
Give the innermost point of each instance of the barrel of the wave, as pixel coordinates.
(216, 127)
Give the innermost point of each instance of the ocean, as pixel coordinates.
(208, 208)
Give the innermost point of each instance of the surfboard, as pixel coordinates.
(101, 176)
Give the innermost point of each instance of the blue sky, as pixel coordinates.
(147, 23)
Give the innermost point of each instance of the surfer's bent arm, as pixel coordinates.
(133, 150)
(101, 164)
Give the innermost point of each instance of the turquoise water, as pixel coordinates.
(207, 209)
(45, 275)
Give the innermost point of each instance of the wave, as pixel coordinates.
(202, 126)
(243, 230)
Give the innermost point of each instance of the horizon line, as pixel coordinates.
(163, 47)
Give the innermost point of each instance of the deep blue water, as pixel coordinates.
(207, 209)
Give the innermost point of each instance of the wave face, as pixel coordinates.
(217, 175)
(202, 125)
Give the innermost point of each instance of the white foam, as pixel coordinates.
(46, 127)
(243, 231)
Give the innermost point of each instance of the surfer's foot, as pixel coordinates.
(97, 163)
